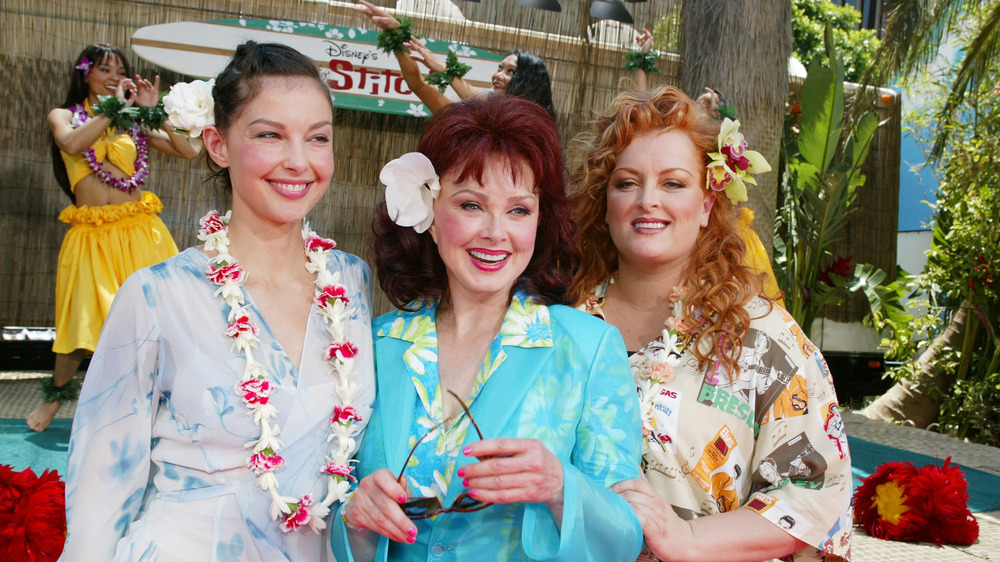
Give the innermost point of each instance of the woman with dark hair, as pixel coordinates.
(474, 246)
(742, 456)
(115, 228)
(521, 73)
(233, 381)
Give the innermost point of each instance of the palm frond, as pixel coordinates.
(913, 33)
(978, 64)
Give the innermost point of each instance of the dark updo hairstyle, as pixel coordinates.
(97, 54)
(531, 81)
(239, 83)
(464, 137)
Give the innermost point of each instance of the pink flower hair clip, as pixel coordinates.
(85, 65)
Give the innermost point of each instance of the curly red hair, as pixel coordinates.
(718, 284)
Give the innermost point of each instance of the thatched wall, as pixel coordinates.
(870, 235)
(39, 39)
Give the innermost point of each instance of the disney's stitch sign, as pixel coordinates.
(360, 75)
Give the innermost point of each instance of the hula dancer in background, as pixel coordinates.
(100, 136)
(521, 73)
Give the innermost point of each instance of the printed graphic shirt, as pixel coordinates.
(771, 439)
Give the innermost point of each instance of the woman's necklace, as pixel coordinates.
(130, 184)
(255, 388)
(653, 366)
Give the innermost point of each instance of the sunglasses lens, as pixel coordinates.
(421, 508)
(465, 502)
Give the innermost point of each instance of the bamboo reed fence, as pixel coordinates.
(38, 40)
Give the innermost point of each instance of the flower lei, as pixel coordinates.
(453, 69)
(130, 184)
(732, 165)
(653, 367)
(255, 389)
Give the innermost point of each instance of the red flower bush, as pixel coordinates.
(32, 515)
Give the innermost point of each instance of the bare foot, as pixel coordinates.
(41, 417)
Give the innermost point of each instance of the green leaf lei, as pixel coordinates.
(453, 69)
(642, 61)
(391, 40)
(128, 118)
(154, 117)
(65, 393)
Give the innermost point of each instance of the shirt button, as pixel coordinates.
(438, 549)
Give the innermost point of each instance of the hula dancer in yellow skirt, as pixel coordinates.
(101, 135)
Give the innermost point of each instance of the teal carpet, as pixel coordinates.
(984, 487)
(23, 448)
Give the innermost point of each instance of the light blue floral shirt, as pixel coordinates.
(157, 462)
(553, 374)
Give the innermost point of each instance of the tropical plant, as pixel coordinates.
(855, 45)
(821, 177)
(955, 381)
(913, 36)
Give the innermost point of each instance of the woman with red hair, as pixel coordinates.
(474, 245)
(734, 399)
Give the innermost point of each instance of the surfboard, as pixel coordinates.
(359, 74)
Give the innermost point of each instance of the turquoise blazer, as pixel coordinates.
(557, 375)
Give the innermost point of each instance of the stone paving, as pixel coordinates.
(19, 394)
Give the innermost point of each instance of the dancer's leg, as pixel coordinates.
(66, 367)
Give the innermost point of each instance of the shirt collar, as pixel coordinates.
(526, 324)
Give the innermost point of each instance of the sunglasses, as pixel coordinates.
(422, 508)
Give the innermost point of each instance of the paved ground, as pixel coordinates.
(19, 394)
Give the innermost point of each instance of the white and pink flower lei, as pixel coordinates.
(255, 389)
(653, 367)
(130, 184)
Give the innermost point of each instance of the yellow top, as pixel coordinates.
(756, 257)
(120, 149)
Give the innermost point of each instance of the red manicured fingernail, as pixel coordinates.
(465, 482)
(411, 540)
(473, 493)
(402, 499)
(466, 451)
(411, 531)
(461, 472)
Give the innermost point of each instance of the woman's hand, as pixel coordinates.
(379, 17)
(644, 41)
(665, 532)
(375, 506)
(420, 53)
(126, 91)
(513, 470)
(148, 92)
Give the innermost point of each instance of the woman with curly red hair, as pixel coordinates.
(738, 439)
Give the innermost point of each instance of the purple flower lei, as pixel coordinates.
(128, 185)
